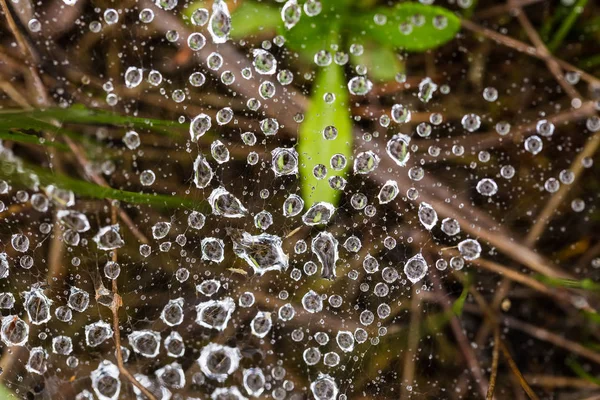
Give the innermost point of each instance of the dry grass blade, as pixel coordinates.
(410, 354)
(463, 341)
(525, 48)
(114, 308)
(550, 337)
(553, 382)
(515, 370)
(577, 168)
(494, 374)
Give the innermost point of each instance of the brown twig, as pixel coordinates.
(550, 337)
(513, 367)
(493, 320)
(527, 49)
(555, 382)
(117, 302)
(408, 372)
(501, 9)
(541, 48)
(461, 339)
(493, 375)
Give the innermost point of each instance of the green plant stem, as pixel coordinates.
(566, 25)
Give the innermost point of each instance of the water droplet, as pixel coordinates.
(264, 62)
(97, 333)
(416, 268)
(218, 362)
(145, 342)
(262, 253)
(291, 13)
(325, 247)
(388, 192)
(225, 204)
(365, 162)
(37, 306)
(105, 381)
(133, 77)
(108, 238)
(427, 216)
(398, 150)
(284, 161)
(469, 249)
(312, 302)
(172, 312)
(219, 24)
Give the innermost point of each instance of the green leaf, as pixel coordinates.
(459, 304)
(581, 372)
(313, 149)
(382, 62)
(312, 34)
(5, 393)
(249, 18)
(421, 38)
(79, 114)
(32, 139)
(87, 189)
(584, 284)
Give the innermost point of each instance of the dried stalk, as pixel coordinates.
(491, 316)
(555, 382)
(462, 340)
(494, 374)
(408, 372)
(541, 48)
(117, 302)
(525, 48)
(550, 337)
(513, 366)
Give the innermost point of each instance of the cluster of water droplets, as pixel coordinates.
(254, 243)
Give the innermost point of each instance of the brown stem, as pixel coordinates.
(491, 316)
(550, 337)
(462, 340)
(493, 375)
(513, 367)
(541, 48)
(525, 48)
(408, 372)
(555, 382)
(116, 304)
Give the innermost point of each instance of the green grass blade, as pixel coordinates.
(583, 284)
(313, 149)
(249, 18)
(382, 62)
(87, 189)
(566, 25)
(32, 139)
(79, 114)
(421, 38)
(581, 372)
(459, 304)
